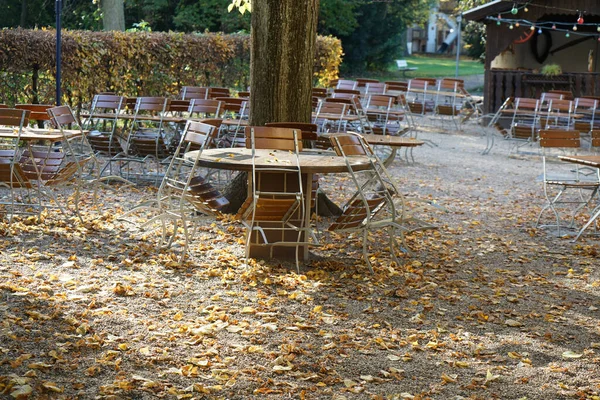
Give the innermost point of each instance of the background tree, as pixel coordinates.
(474, 35)
(113, 15)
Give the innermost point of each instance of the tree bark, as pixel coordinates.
(281, 70)
(282, 59)
(113, 15)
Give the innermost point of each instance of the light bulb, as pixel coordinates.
(517, 24)
(497, 22)
(532, 27)
(598, 28)
(514, 10)
(499, 16)
(567, 34)
(580, 19)
(526, 9)
(510, 27)
(574, 27)
(540, 31)
(554, 26)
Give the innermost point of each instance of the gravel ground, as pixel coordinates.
(487, 307)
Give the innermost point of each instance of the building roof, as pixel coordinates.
(494, 7)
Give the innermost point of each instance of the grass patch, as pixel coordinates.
(428, 66)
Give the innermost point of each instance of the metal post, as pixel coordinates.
(58, 50)
(459, 20)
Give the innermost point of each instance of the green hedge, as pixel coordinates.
(132, 63)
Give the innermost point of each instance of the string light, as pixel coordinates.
(526, 9)
(540, 26)
(580, 19)
(514, 9)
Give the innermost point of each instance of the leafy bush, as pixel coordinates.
(131, 63)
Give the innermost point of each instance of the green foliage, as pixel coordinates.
(474, 35)
(132, 63)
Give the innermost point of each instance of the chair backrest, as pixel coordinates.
(380, 101)
(559, 138)
(333, 107)
(193, 92)
(153, 105)
(206, 107)
(62, 115)
(526, 104)
(197, 135)
(107, 102)
(319, 92)
(350, 145)
(14, 117)
(346, 84)
(244, 94)
(308, 131)
(231, 104)
(178, 107)
(397, 86)
(215, 92)
(375, 88)
(2, 105)
(585, 104)
(275, 138)
(362, 82)
(547, 96)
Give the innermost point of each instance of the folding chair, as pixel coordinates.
(587, 122)
(274, 212)
(525, 121)
(102, 125)
(374, 190)
(385, 117)
(559, 115)
(148, 139)
(559, 179)
(12, 176)
(420, 96)
(184, 191)
(448, 100)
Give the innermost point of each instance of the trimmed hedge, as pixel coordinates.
(132, 63)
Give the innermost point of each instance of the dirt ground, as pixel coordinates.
(487, 307)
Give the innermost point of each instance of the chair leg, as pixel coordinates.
(365, 252)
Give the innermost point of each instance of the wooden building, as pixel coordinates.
(523, 37)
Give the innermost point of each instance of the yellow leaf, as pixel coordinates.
(393, 357)
(570, 354)
(145, 351)
(178, 316)
(513, 323)
(282, 368)
(22, 392)
(52, 387)
(248, 310)
(462, 364)
(123, 346)
(349, 383)
(514, 354)
(489, 377)
(449, 378)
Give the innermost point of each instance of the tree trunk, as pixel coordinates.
(281, 70)
(113, 15)
(282, 60)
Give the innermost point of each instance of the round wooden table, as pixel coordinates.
(311, 162)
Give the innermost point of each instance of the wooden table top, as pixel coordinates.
(140, 117)
(40, 134)
(591, 161)
(336, 117)
(392, 141)
(311, 161)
